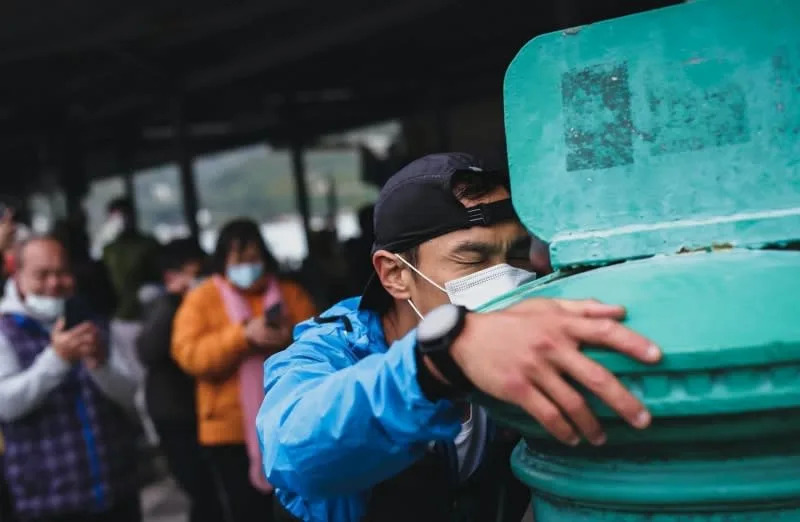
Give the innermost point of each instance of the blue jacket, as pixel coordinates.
(342, 413)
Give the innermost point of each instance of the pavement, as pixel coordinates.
(163, 501)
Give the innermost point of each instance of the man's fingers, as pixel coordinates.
(59, 326)
(549, 416)
(611, 334)
(591, 308)
(574, 406)
(82, 329)
(602, 383)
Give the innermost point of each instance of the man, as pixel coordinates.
(364, 417)
(169, 392)
(69, 452)
(131, 259)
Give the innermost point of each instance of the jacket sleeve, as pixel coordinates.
(330, 426)
(21, 391)
(200, 350)
(115, 379)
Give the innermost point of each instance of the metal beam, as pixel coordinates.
(314, 41)
(301, 189)
(183, 149)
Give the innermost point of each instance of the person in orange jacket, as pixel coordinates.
(223, 331)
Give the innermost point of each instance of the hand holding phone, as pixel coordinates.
(274, 316)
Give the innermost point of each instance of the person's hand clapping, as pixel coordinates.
(523, 355)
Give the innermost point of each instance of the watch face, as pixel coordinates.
(438, 323)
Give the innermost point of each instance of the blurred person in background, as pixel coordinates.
(169, 392)
(13, 230)
(131, 259)
(8, 234)
(65, 399)
(324, 271)
(91, 276)
(223, 331)
(358, 251)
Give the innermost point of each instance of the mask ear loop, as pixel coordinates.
(423, 276)
(414, 307)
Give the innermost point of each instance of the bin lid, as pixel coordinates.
(669, 129)
(727, 324)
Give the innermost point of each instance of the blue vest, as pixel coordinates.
(75, 452)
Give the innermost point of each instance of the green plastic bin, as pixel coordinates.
(660, 156)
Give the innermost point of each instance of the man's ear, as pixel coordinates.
(392, 274)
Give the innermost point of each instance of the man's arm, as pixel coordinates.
(21, 391)
(328, 427)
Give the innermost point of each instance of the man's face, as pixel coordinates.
(44, 270)
(178, 282)
(465, 252)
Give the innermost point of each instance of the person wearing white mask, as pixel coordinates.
(365, 417)
(66, 400)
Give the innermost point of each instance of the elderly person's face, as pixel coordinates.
(43, 270)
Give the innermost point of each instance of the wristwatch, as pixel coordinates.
(435, 335)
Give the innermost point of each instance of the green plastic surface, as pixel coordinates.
(728, 325)
(670, 129)
(717, 478)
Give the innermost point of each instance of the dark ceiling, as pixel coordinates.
(97, 83)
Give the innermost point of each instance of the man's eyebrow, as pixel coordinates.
(477, 247)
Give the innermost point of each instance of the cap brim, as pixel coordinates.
(374, 297)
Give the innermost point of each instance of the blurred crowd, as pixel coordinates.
(153, 352)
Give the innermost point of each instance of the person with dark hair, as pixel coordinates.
(169, 391)
(91, 276)
(223, 331)
(366, 416)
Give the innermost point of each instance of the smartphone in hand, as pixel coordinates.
(76, 311)
(274, 316)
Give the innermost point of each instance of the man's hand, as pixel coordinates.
(266, 338)
(523, 354)
(94, 353)
(74, 344)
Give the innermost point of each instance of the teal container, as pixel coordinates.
(725, 441)
(659, 154)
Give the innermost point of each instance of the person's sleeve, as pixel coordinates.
(115, 380)
(328, 427)
(154, 341)
(21, 391)
(201, 351)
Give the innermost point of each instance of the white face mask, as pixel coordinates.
(474, 290)
(45, 307)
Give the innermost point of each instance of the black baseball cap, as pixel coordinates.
(417, 204)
